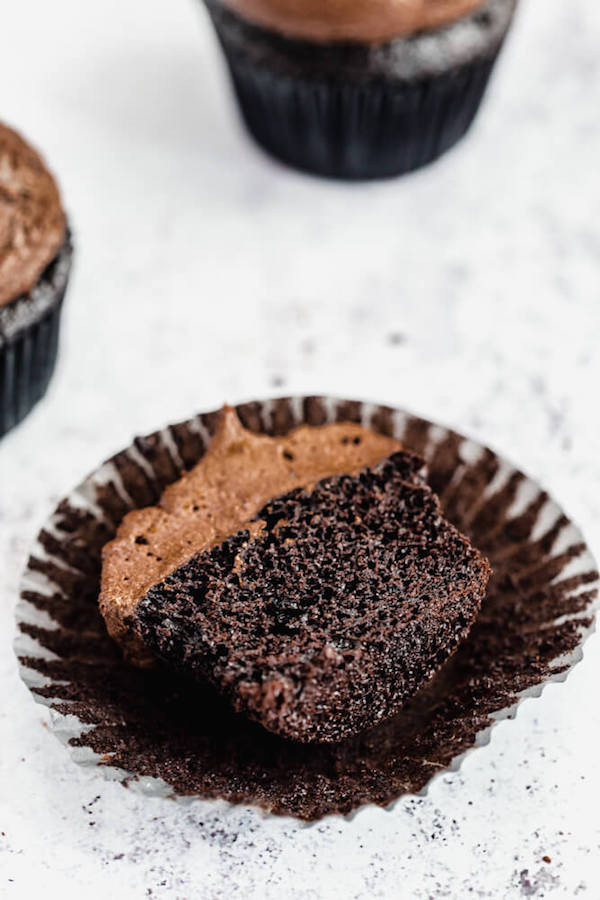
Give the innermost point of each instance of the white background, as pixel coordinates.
(206, 272)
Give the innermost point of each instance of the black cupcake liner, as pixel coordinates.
(29, 329)
(322, 110)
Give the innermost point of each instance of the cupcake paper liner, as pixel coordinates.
(333, 112)
(29, 328)
(163, 736)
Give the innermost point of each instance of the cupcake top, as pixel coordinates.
(239, 473)
(365, 21)
(32, 221)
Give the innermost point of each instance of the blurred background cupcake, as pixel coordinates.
(35, 260)
(360, 88)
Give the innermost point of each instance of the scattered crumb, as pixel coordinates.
(395, 338)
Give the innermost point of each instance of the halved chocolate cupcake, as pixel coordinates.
(360, 88)
(35, 261)
(320, 613)
(165, 735)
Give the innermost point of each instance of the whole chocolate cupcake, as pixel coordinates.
(35, 260)
(360, 88)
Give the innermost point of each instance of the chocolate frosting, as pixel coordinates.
(366, 21)
(240, 472)
(32, 222)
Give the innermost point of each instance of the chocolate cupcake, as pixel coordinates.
(360, 89)
(35, 260)
(162, 734)
(317, 612)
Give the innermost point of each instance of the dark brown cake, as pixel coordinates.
(327, 616)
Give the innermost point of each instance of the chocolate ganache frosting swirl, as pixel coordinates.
(365, 21)
(32, 222)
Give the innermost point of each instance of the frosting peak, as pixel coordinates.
(365, 21)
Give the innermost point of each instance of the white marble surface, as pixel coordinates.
(468, 293)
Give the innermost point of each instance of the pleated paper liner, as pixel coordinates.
(29, 328)
(162, 735)
(354, 112)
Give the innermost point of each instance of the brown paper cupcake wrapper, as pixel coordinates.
(163, 736)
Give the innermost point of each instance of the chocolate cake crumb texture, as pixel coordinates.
(325, 621)
(532, 621)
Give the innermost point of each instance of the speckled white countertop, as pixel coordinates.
(468, 292)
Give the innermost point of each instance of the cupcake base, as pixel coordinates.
(361, 112)
(29, 329)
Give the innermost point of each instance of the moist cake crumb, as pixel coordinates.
(327, 613)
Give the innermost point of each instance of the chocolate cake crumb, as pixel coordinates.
(347, 600)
